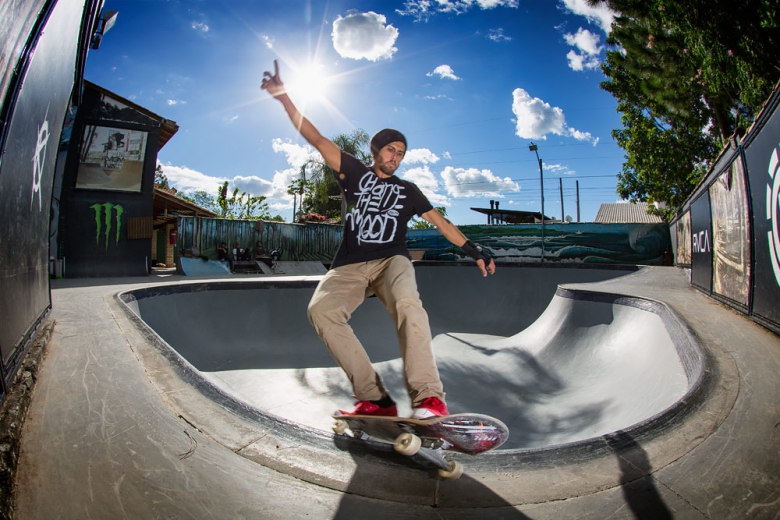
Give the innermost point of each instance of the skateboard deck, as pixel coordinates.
(463, 432)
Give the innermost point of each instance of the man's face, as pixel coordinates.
(386, 161)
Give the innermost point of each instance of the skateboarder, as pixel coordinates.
(373, 259)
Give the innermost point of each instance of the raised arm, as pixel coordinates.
(453, 234)
(327, 148)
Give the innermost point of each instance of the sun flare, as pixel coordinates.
(309, 83)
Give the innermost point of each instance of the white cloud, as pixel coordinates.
(364, 36)
(296, 154)
(600, 15)
(253, 185)
(200, 26)
(585, 41)
(188, 180)
(559, 169)
(424, 178)
(536, 119)
(580, 62)
(497, 35)
(472, 182)
(269, 42)
(172, 102)
(422, 10)
(444, 72)
(589, 49)
(420, 155)
(439, 96)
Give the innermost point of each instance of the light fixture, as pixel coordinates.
(104, 23)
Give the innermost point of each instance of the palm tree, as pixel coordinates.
(324, 196)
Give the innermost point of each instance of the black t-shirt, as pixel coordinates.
(378, 212)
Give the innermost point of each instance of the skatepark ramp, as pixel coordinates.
(557, 365)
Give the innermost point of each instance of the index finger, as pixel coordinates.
(276, 68)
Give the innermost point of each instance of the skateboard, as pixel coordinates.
(468, 433)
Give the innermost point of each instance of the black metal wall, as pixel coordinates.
(762, 156)
(38, 78)
(728, 232)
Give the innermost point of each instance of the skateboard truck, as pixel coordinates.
(409, 445)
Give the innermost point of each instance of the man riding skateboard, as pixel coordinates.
(373, 258)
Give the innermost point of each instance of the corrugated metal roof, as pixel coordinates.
(626, 213)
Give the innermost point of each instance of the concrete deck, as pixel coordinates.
(120, 428)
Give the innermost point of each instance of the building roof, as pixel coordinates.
(509, 216)
(167, 207)
(626, 213)
(167, 127)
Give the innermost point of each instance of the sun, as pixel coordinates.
(309, 83)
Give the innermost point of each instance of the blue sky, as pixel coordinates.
(471, 83)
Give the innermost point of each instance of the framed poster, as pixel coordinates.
(684, 239)
(111, 159)
(731, 234)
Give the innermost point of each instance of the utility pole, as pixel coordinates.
(578, 201)
(563, 213)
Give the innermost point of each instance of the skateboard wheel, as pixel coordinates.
(455, 471)
(340, 427)
(407, 444)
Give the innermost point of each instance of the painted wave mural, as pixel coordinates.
(643, 244)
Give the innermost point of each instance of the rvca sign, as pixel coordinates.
(701, 242)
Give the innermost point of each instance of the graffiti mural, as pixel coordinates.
(39, 160)
(108, 218)
(641, 244)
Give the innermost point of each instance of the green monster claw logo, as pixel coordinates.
(99, 220)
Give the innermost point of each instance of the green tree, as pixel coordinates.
(323, 194)
(297, 189)
(241, 205)
(418, 223)
(160, 179)
(203, 199)
(686, 75)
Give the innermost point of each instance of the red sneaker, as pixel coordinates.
(369, 408)
(430, 407)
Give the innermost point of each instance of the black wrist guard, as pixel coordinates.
(475, 251)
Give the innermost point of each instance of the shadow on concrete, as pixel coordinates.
(636, 481)
(413, 488)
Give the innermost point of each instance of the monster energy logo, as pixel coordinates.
(101, 219)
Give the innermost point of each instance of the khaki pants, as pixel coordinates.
(393, 281)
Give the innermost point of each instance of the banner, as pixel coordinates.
(701, 243)
(762, 156)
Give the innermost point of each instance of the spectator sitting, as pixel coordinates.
(222, 252)
(239, 253)
(260, 251)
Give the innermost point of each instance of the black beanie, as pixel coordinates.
(385, 137)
